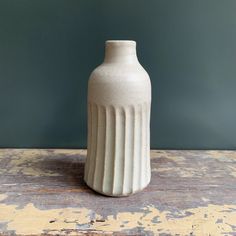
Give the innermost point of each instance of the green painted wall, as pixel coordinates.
(49, 47)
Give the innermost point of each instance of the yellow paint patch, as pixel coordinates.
(31, 220)
(172, 155)
(199, 221)
(3, 196)
(162, 169)
(232, 171)
(81, 152)
(210, 220)
(181, 171)
(225, 156)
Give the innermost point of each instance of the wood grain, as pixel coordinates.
(42, 192)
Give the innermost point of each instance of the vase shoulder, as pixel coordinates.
(113, 83)
(109, 72)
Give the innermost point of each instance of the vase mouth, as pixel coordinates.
(120, 51)
(121, 42)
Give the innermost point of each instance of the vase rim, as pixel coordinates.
(112, 41)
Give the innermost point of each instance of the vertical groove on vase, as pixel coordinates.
(129, 150)
(108, 175)
(137, 142)
(134, 152)
(148, 169)
(96, 146)
(142, 145)
(106, 179)
(106, 147)
(133, 148)
(132, 141)
(139, 147)
(99, 161)
(124, 148)
(93, 144)
(114, 152)
(145, 143)
(119, 148)
(89, 139)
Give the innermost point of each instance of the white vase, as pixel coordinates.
(119, 100)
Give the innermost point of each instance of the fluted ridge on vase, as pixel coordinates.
(118, 161)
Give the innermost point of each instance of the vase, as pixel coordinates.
(119, 102)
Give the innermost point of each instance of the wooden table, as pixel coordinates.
(43, 192)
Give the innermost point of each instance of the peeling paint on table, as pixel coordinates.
(42, 192)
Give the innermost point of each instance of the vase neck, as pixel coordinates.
(120, 51)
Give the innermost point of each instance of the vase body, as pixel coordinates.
(119, 101)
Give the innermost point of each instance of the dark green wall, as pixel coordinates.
(49, 47)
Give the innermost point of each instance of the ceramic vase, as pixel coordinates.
(119, 100)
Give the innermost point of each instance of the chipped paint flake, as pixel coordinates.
(232, 171)
(193, 221)
(31, 220)
(205, 199)
(199, 221)
(2, 197)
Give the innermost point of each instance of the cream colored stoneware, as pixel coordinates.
(119, 99)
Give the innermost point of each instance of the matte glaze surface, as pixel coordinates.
(119, 100)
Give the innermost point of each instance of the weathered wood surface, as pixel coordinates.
(191, 193)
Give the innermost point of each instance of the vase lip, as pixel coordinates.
(121, 42)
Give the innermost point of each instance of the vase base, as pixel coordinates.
(118, 195)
